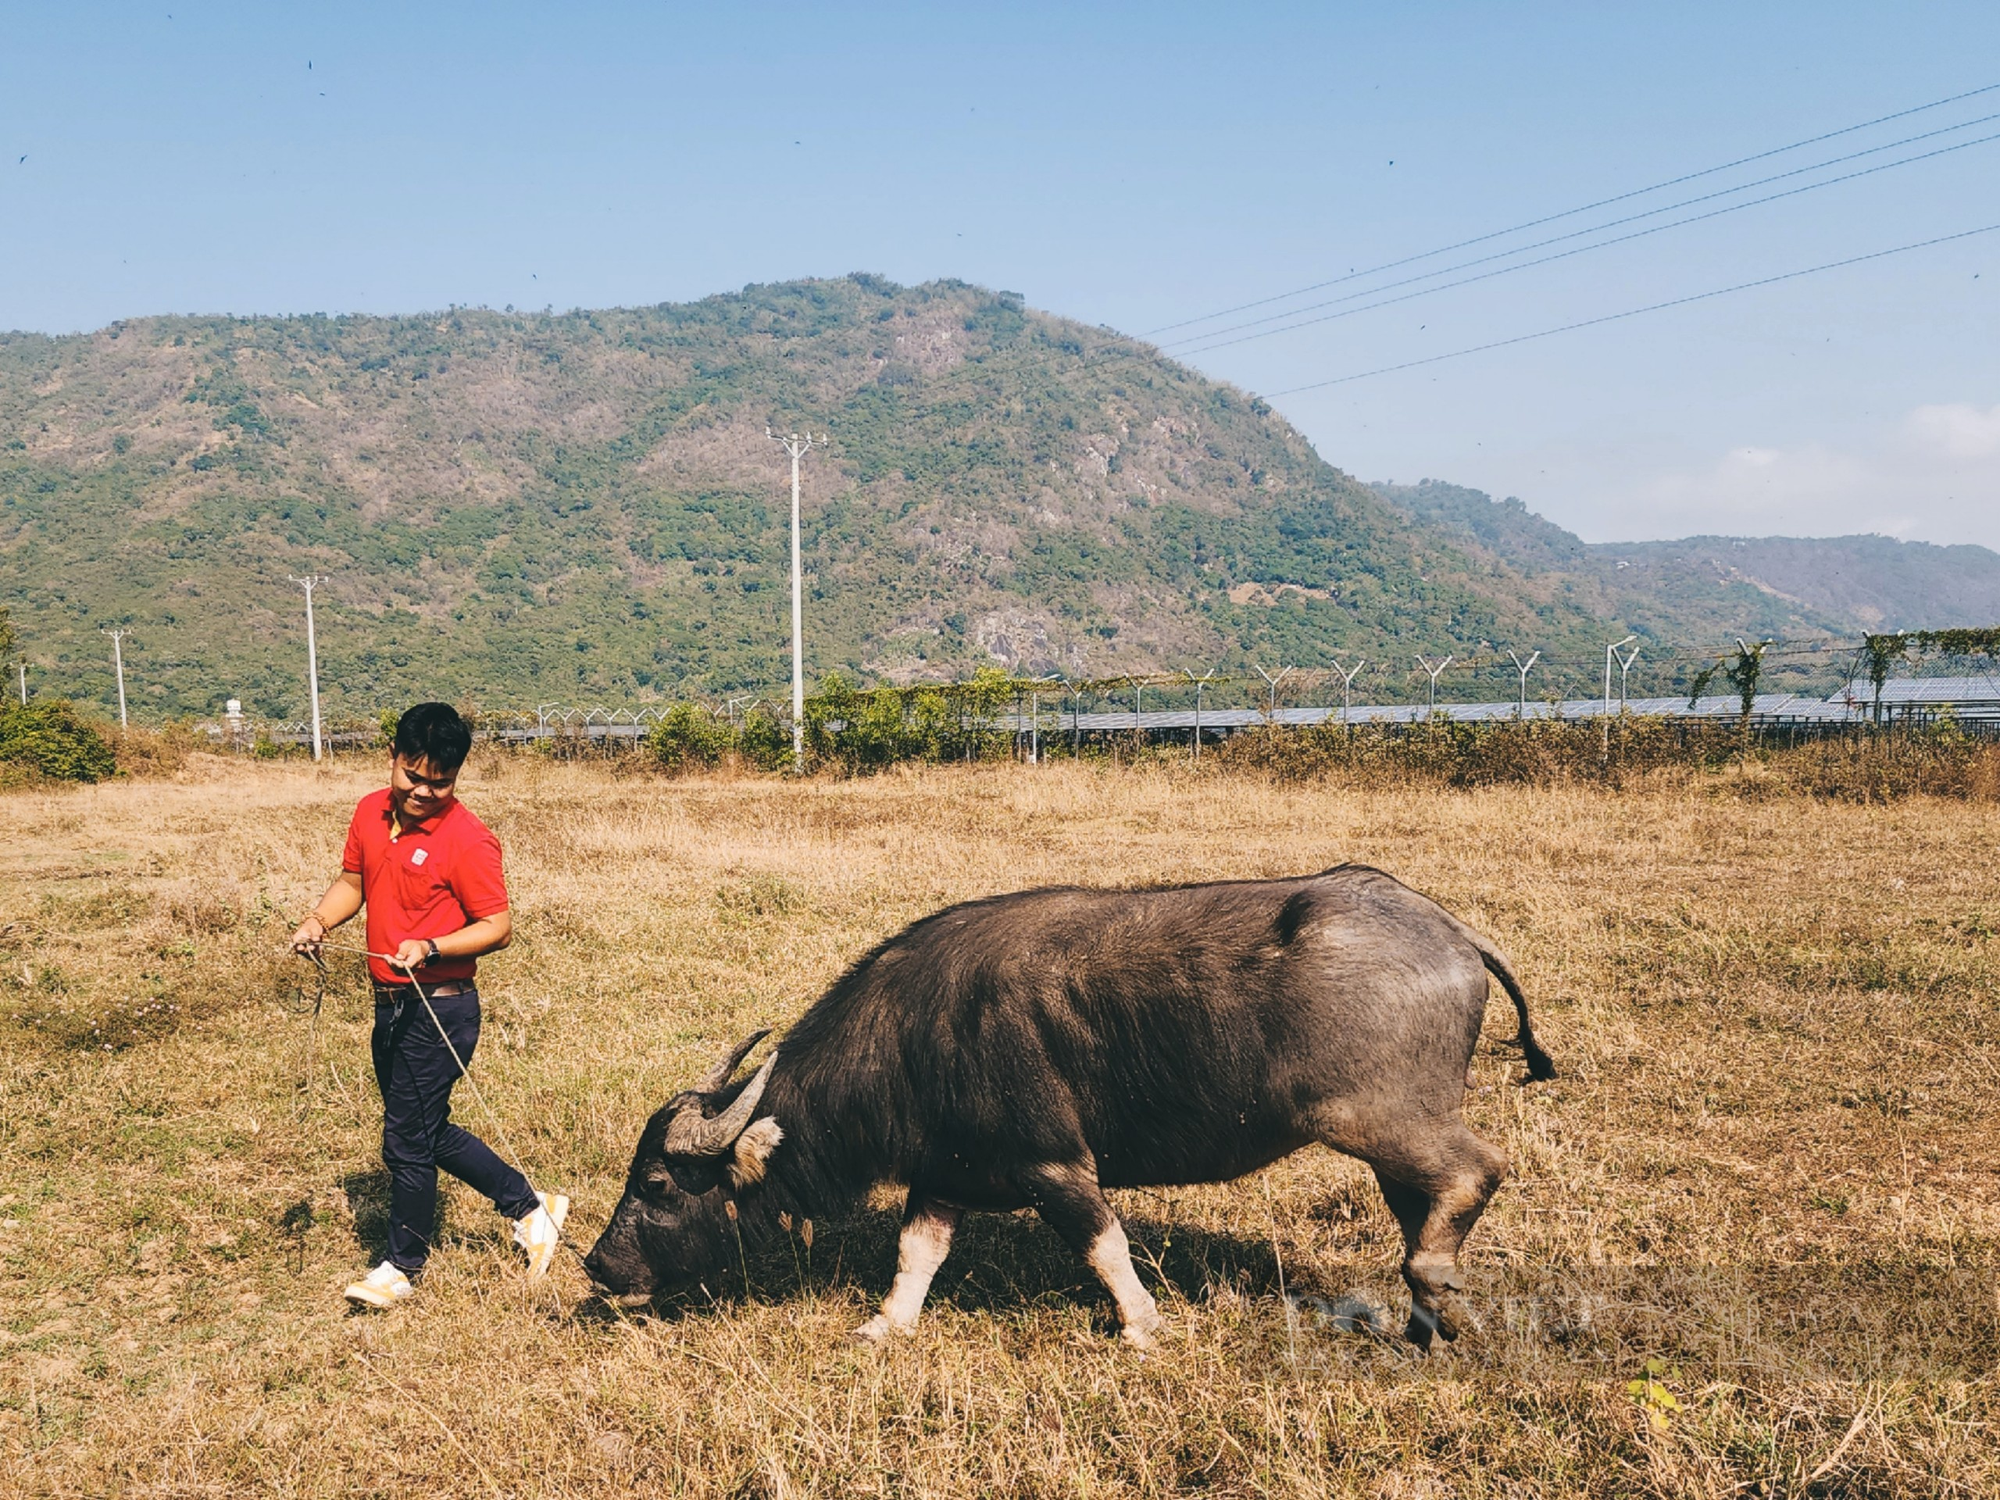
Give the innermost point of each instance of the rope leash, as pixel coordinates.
(302, 1006)
(492, 1116)
(500, 1129)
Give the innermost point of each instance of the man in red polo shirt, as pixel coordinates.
(429, 873)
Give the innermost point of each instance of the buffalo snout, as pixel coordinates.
(616, 1264)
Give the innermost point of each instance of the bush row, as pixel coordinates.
(1866, 764)
(855, 732)
(849, 729)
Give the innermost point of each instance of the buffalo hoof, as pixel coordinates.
(876, 1332)
(1421, 1329)
(1449, 1318)
(1142, 1338)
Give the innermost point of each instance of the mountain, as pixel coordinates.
(511, 508)
(1856, 583)
(1708, 588)
(514, 507)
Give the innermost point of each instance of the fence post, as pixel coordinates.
(1200, 686)
(1609, 650)
(1283, 673)
(1347, 684)
(1523, 667)
(1431, 712)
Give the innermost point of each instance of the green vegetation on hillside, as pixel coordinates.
(513, 508)
(521, 508)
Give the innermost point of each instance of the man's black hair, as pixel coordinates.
(433, 732)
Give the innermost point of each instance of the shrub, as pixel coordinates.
(154, 752)
(764, 742)
(864, 731)
(690, 737)
(52, 739)
(828, 712)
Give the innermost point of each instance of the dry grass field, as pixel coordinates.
(1748, 1247)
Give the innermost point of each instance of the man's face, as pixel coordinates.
(419, 789)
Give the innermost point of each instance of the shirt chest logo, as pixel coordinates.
(417, 857)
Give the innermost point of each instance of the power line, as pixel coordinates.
(1182, 354)
(1741, 286)
(1481, 239)
(1203, 341)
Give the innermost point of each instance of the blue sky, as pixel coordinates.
(1121, 164)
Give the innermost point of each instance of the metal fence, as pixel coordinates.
(1971, 702)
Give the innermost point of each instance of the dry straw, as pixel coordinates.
(1748, 1246)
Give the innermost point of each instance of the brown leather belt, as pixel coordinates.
(444, 989)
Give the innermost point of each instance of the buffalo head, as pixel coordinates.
(671, 1229)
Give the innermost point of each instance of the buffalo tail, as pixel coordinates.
(1540, 1065)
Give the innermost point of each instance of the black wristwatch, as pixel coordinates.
(434, 950)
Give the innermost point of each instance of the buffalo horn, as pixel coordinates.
(725, 1070)
(688, 1134)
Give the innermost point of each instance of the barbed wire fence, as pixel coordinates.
(1844, 682)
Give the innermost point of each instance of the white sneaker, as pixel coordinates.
(539, 1233)
(385, 1286)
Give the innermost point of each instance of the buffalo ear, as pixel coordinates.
(753, 1150)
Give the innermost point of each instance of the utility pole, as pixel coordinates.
(310, 582)
(1523, 668)
(118, 659)
(798, 446)
(22, 668)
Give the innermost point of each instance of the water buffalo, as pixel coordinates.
(1035, 1049)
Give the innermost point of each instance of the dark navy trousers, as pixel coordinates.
(415, 1072)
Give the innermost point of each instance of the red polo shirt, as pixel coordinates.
(427, 881)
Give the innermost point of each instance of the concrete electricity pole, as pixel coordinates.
(798, 445)
(118, 659)
(22, 668)
(1035, 718)
(309, 583)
